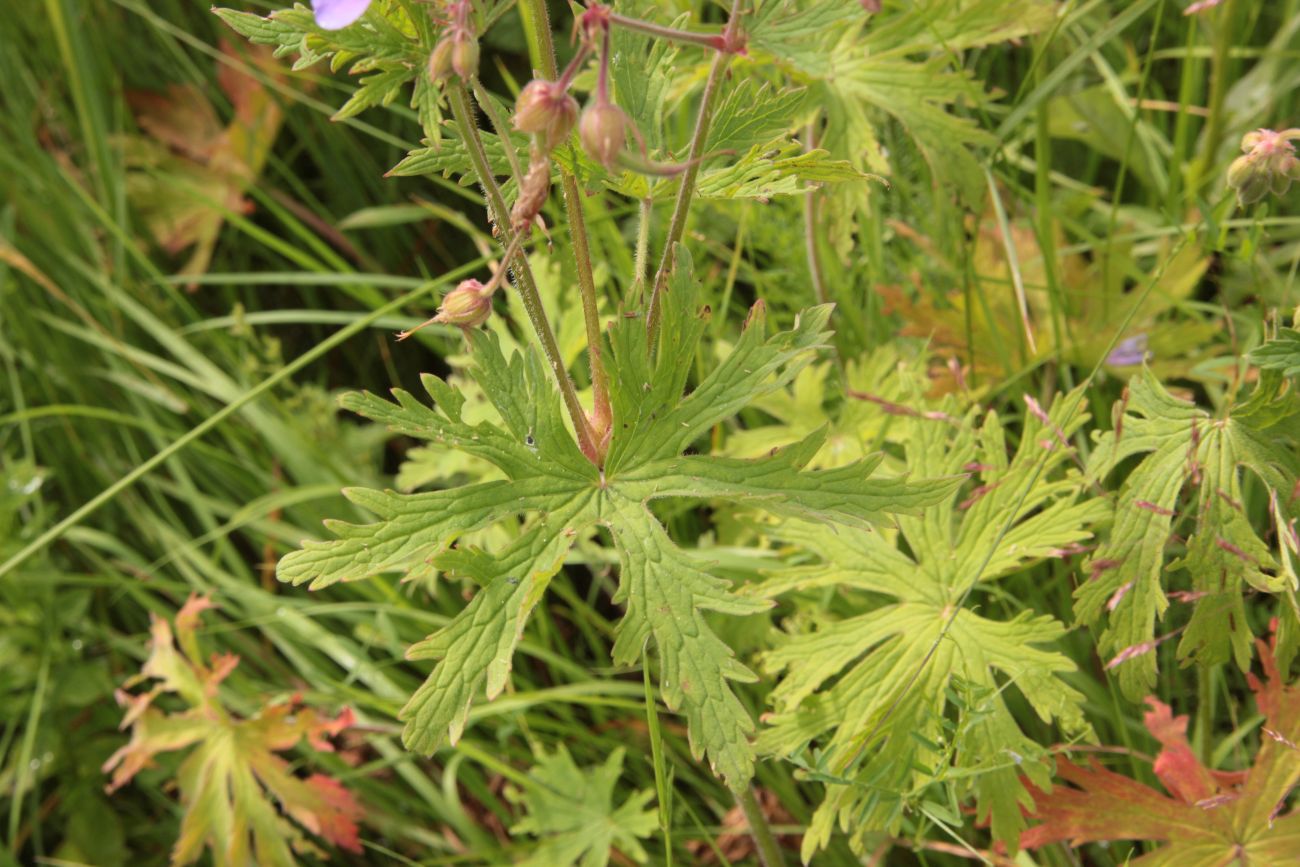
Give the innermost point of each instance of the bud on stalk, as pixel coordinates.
(455, 54)
(464, 54)
(603, 130)
(467, 306)
(440, 60)
(546, 110)
(1268, 163)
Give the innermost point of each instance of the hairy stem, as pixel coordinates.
(484, 100)
(463, 112)
(686, 192)
(541, 48)
(642, 256)
(769, 852)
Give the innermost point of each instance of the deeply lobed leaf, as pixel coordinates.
(874, 693)
(1207, 817)
(233, 772)
(665, 589)
(1183, 447)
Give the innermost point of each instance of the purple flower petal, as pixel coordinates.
(334, 14)
(1128, 352)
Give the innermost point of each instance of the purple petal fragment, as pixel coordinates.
(335, 14)
(1129, 351)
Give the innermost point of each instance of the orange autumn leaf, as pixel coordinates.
(189, 170)
(235, 790)
(1204, 817)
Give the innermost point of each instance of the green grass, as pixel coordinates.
(184, 438)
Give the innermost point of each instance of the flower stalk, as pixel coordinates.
(463, 113)
(715, 41)
(686, 192)
(541, 47)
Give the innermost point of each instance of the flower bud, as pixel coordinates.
(1268, 163)
(1246, 179)
(464, 55)
(466, 306)
(440, 60)
(603, 130)
(455, 54)
(547, 110)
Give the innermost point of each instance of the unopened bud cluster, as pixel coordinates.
(1268, 164)
(456, 53)
(547, 111)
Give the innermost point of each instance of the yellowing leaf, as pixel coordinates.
(189, 171)
(872, 696)
(232, 780)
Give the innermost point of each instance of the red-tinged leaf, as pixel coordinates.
(338, 822)
(236, 791)
(1177, 766)
(1209, 817)
(189, 171)
(1105, 805)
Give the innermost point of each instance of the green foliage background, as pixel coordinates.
(1070, 154)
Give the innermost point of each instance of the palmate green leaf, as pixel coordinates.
(1281, 353)
(642, 71)
(666, 593)
(449, 158)
(378, 87)
(777, 168)
(875, 692)
(294, 31)
(902, 63)
(752, 113)
(481, 642)
(559, 494)
(573, 811)
(1182, 446)
(857, 428)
